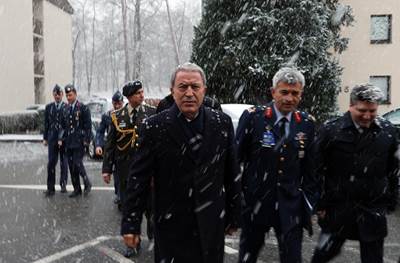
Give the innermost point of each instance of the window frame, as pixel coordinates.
(387, 100)
(382, 41)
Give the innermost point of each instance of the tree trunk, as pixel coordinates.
(172, 33)
(125, 33)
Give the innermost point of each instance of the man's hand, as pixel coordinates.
(99, 151)
(45, 142)
(106, 178)
(131, 240)
(60, 143)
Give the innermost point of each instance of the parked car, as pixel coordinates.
(393, 116)
(235, 111)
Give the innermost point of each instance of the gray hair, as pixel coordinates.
(188, 67)
(288, 75)
(365, 92)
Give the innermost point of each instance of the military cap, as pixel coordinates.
(117, 96)
(69, 87)
(131, 87)
(57, 89)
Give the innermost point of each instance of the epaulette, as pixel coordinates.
(251, 109)
(332, 120)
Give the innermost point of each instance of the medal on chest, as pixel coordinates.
(268, 139)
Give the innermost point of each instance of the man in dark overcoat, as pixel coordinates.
(359, 177)
(188, 150)
(52, 127)
(278, 181)
(75, 136)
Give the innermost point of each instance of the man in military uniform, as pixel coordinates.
(52, 127)
(105, 124)
(121, 142)
(359, 175)
(77, 125)
(278, 181)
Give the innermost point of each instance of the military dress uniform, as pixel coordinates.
(359, 175)
(52, 128)
(278, 181)
(77, 130)
(121, 146)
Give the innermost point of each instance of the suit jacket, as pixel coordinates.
(359, 177)
(192, 196)
(52, 121)
(76, 126)
(278, 173)
(119, 144)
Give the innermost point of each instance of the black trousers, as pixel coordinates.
(330, 245)
(252, 240)
(122, 170)
(53, 152)
(75, 163)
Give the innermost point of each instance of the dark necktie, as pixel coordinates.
(282, 127)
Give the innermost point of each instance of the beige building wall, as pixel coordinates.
(16, 55)
(57, 34)
(362, 59)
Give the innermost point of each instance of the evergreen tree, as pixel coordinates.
(241, 44)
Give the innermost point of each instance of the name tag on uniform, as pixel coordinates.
(268, 139)
(122, 124)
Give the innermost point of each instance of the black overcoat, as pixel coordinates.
(359, 177)
(195, 199)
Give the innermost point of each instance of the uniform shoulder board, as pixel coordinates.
(332, 120)
(251, 109)
(311, 118)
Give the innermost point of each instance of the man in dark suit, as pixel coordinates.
(188, 151)
(104, 126)
(76, 134)
(121, 145)
(278, 180)
(359, 177)
(52, 126)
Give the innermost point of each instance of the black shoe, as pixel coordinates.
(117, 200)
(75, 194)
(87, 189)
(63, 189)
(48, 193)
(132, 252)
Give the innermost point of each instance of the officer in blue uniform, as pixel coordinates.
(52, 127)
(117, 102)
(278, 181)
(75, 136)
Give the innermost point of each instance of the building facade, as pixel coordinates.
(35, 51)
(373, 51)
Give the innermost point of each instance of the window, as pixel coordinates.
(381, 29)
(382, 82)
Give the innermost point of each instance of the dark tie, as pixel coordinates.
(282, 127)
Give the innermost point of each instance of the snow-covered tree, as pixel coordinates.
(241, 44)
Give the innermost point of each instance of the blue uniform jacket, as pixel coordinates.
(77, 126)
(280, 176)
(52, 122)
(103, 127)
